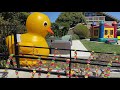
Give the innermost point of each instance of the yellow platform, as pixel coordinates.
(118, 37)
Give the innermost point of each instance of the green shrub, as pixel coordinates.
(75, 37)
(66, 37)
(82, 31)
(70, 32)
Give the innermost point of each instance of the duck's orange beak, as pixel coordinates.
(50, 31)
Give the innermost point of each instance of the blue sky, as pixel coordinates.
(53, 15)
(116, 14)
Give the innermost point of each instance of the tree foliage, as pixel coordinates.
(58, 30)
(11, 18)
(55, 28)
(70, 19)
(18, 18)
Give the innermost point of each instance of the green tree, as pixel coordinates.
(11, 18)
(55, 28)
(18, 18)
(70, 19)
(58, 30)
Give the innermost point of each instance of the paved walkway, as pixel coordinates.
(76, 44)
(21, 74)
(118, 42)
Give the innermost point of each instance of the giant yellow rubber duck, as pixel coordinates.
(38, 25)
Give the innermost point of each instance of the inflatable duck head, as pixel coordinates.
(38, 23)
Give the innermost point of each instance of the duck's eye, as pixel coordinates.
(45, 24)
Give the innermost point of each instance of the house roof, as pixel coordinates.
(108, 26)
(113, 17)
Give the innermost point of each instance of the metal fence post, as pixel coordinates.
(70, 65)
(16, 48)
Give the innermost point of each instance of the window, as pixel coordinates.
(111, 32)
(89, 14)
(101, 18)
(106, 32)
(90, 18)
(93, 13)
(95, 18)
(95, 32)
(86, 14)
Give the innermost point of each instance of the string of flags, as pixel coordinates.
(69, 70)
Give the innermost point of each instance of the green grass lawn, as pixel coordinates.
(101, 47)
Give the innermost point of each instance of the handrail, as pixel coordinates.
(67, 49)
(60, 58)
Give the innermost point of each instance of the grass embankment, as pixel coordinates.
(101, 47)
